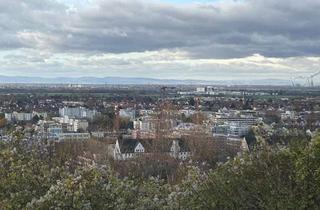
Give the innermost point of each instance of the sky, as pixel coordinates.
(168, 39)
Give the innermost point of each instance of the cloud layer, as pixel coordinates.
(224, 39)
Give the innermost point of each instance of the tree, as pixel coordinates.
(125, 123)
(35, 119)
(3, 122)
(270, 177)
(192, 102)
(272, 117)
(251, 138)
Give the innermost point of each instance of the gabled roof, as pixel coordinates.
(183, 144)
(150, 145)
(128, 145)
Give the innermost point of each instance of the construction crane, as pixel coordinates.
(294, 79)
(310, 78)
(309, 82)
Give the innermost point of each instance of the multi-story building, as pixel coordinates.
(145, 124)
(240, 120)
(79, 124)
(54, 128)
(128, 113)
(78, 112)
(19, 116)
(233, 122)
(230, 129)
(74, 136)
(71, 124)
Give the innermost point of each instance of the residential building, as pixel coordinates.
(78, 112)
(18, 116)
(128, 113)
(131, 148)
(74, 136)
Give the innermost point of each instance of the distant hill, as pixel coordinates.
(137, 81)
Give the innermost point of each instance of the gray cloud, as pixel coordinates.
(28, 16)
(219, 30)
(244, 39)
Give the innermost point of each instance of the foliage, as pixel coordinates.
(286, 178)
(272, 117)
(103, 122)
(3, 122)
(276, 177)
(23, 175)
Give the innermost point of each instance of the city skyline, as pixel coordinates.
(203, 40)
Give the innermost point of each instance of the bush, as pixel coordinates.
(267, 178)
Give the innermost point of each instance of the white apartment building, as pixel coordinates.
(54, 128)
(201, 89)
(128, 113)
(23, 116)
(97, 134)
(73, 125)
(74, 136)
(80, 125)
(145, 124)
(16, 116)
(78, 112)
(230, 129)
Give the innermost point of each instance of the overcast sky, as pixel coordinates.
(180, 39)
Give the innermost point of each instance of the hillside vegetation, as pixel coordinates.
(277, 177)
